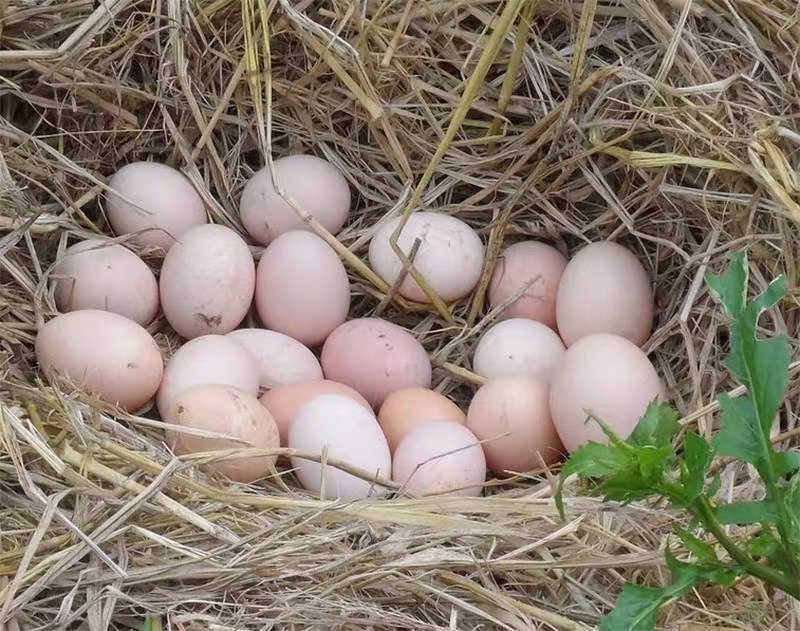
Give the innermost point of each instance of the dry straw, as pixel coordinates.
(670, 125)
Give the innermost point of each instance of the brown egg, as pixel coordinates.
(283, 401)
(532, 262)
(511, 417)
(404, 409)
(608, 375)
(604, 289)
(230, 412)
(375, 357)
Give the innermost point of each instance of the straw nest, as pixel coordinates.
(670, 126)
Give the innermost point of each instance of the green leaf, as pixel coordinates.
(593, 460)
(764, 544)
(697, 456)
(731, 285)
(637, 607)
(658, 427)
(704, 552)
(740, 435)
(746, 513)
(785, 462)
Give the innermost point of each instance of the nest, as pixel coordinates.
(669, 126)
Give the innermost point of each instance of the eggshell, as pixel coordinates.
(99, 274)
(302, 289)
(604, 289)
(314, 184)
(102, 353)
(404, 409)
(207, 282)
(511, 417)
(440, 457)
(153, 201)
(284, 401)
(533, 264)
(518, 346)
(608, 375)
(208, 359)
(230, 412)
(279, 358)
(450, 255)
(375, 357)
(342, 429)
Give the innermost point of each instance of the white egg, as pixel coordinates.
(518, 347)
(280, 359)
(450, 255)
(341, 428)
(208, 359)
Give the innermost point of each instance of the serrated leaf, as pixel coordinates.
(697, 456)
(637, 607)
(658, 426)
(704, 552)
(740, 435)
(785, 462)
(764, 544)
(731, 285)
(594, 460)
(746, 513)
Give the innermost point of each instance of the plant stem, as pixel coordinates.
(706, 513)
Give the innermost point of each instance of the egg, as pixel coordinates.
(518, 346)
(279, 358)
(406, 408)
(450, 255)
(375, 357)
(314, 184)
(101, 353)
(208, 359)
(530, 264)
(283, 401)
(608, 375)
(511, 417)
(604, 289)
(99, 274)
(153, 202)
(302, 289)
(440, 457)
(207, 282)
(227, 411)
(335, 426)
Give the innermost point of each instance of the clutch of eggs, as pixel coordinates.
(353, 391)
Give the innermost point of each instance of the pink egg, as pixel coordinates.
(302, 289)
(100, 274)
(533, 264)
(604, 289)
(154, 202)
(440, 457)
(375, 357)
(314, 184)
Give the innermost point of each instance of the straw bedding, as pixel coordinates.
(671, 126)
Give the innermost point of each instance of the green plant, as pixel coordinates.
(647, 465)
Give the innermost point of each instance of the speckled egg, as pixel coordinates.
(375, 357)
(207, 282)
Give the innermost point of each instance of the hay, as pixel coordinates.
(670, 125)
